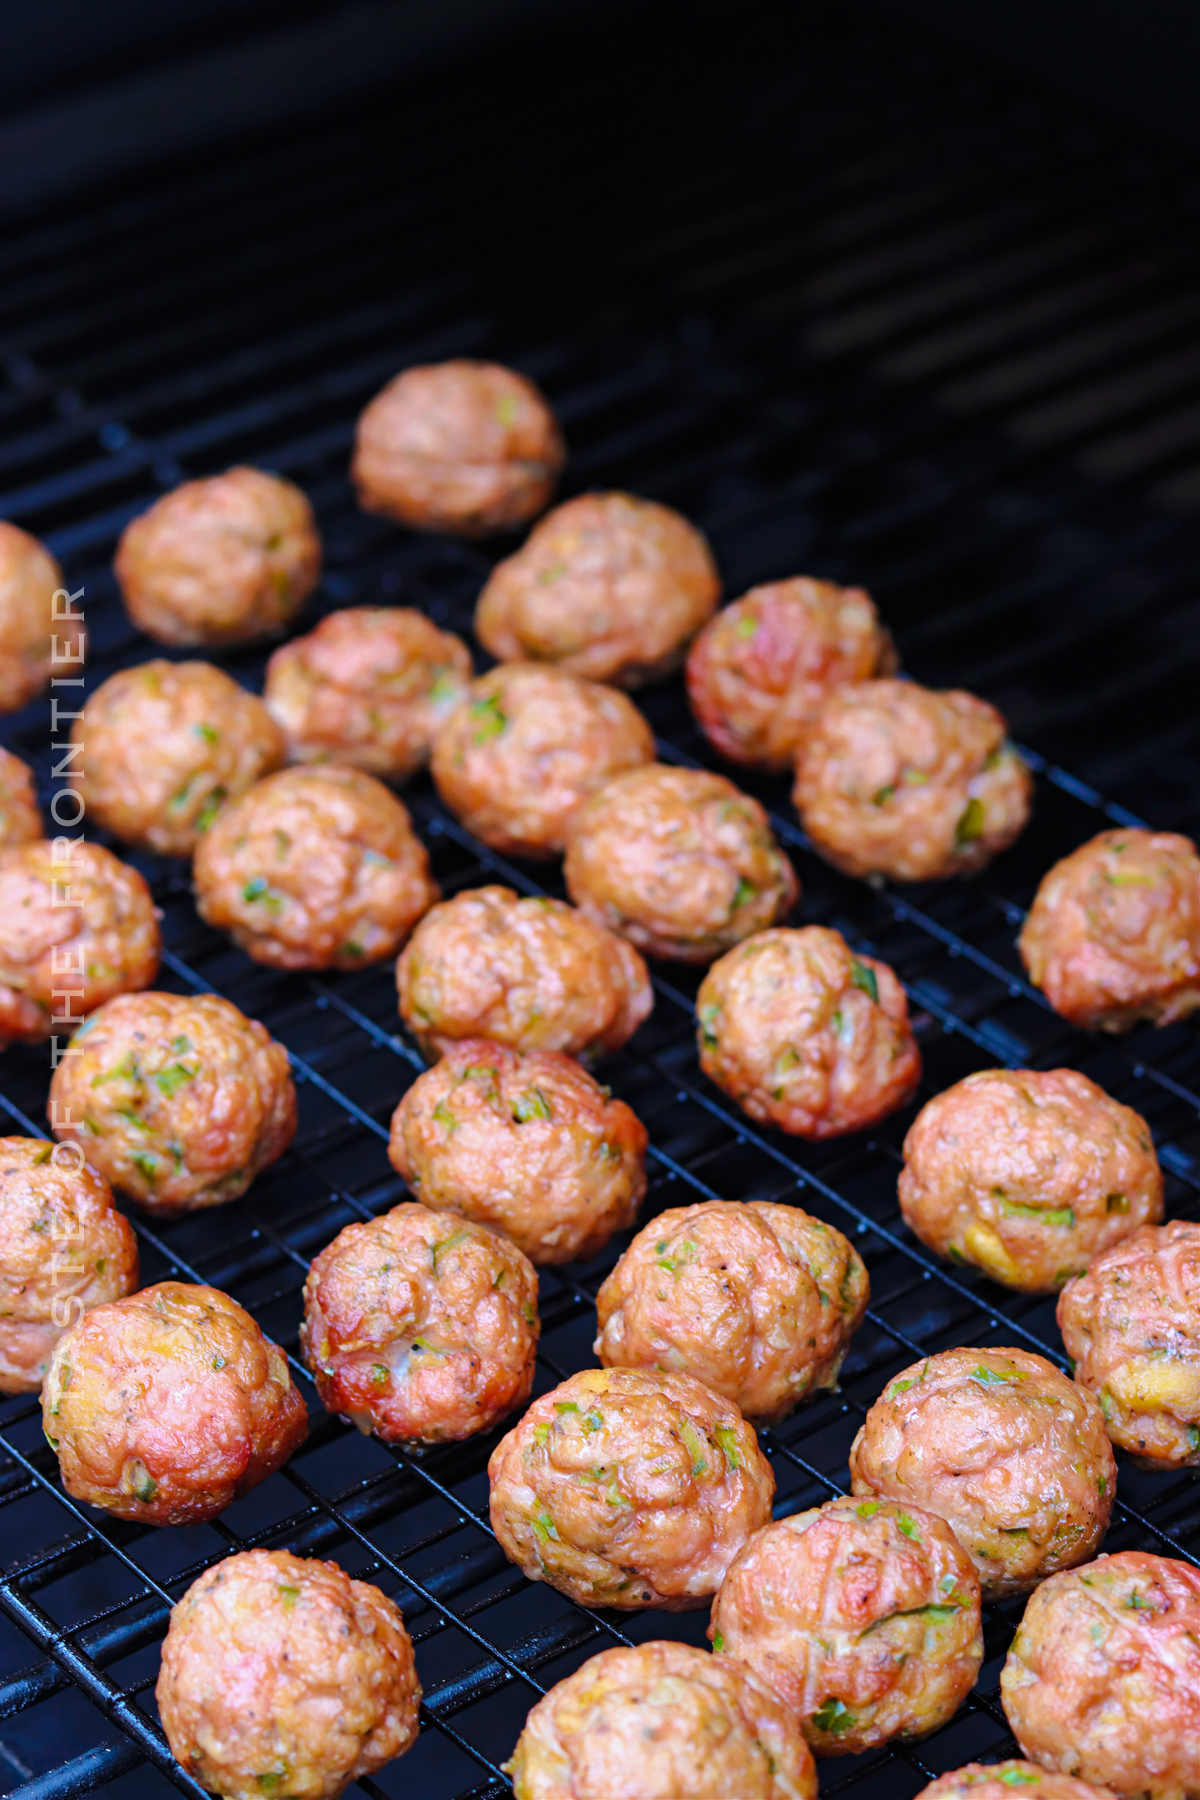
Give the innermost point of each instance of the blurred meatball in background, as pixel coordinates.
(30, 624)
(20, 815)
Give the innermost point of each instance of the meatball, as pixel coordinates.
(656, 1721)
(421, 1328)
(532, 973)
(281, 1675)
(530, 1145)
(519, 759)
(64, 1248)
(758, 672)
(1028, 1175)
(806, 1035)
(220, 561)
(629, 1487)
(33, 627)
(314, 868)
(606, 586)
(164, 744)
(1004, 1448)
(862, 1618)
(369, 687)
(76, 928)
(996, 1781)
(756, 1300)
(468, 447)
(1131, 1326)
(169, 1405)
(20, 815)
(894, 779)
(1103, 1676)
(180, 1100)
(1113, 935)
(679, 861)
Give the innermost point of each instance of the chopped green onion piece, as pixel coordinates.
(864, 978)
(834, 1717)
(970, 824)
(532, 1104)
(1045, 1215)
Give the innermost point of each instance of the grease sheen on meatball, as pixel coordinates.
(628, 1488)
(169, 1405)
(1113, 935)
(530, 1145)
(1004, 1448)
(280, 1675)
(20, 815)
(996, 1781)
(1028, 1175)
(521, 755)
(658, 1721)
(33, 630)
(758, 1301)
(1103, 1677)
(606, 586)
(527, 971)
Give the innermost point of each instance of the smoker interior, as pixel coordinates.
(857, 309)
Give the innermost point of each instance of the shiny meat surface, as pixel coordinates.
(996, 1781)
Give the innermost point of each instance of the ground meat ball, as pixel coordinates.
(996, 1781)
(758, 672)
(528, 1144)
(528, 972)
(629, 1487)
(806, 1035)
(1004, 1448)
(679, 861)
(1131, 1325)
(419, 1327)
(220, 561)
(862, 1618)
(468, 447)
(1103, 1677)
(20, 815)
(76, 928)
(1113, 935)
(606, 586)
(281, 1675)
(519, 759)
(1028, 1175)
(369, 687)
(64, 1247)
(756, 1300)
(658, 1721)
(169, 1405)
(164, 744)
(897, 780)
(314, 868)
(180, 1100)
(32, 628)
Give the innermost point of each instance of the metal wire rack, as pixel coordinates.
(852, 310)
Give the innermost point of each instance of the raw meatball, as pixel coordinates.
(806, 1035)
(64, 1247)
(281, 1675)
(996, 1781)
(1131, 1326)
(420, 1327)
(164, 744)
(658, 1721)
(629, 1487)
(894, 779)
(1113, 935)
(20, 816)
(369, 687)
(679, 861)
(1004, 1448)
(528, 1144)
(314, 868)
(517, 762)
(220, 561)
(606, 586)
(169, 1405)
(76, 928)
(31, 627)
(758, 672)
(862, 1618)
(1028, 1175)
(1103, 1677)
(180, 1100)
(469, 447)
(756, 1300)
(528, 972)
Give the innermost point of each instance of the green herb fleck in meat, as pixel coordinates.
(864, 978)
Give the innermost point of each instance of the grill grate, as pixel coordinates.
(853, 310)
